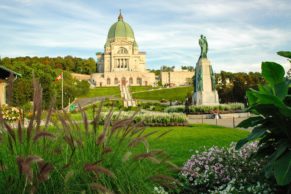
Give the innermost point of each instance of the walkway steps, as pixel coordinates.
(128, 101)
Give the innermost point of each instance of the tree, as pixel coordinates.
(46, 74)
(189, 68)
(167, 68)
(232, 87)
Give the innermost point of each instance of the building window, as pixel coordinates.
(121, 63)
(126, 63)
(116, 80)
(130, 80)
(122, 50)
(108, 81)
(118, 64)
(139, 81)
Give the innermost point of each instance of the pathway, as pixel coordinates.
(225, 122)
(128, 101)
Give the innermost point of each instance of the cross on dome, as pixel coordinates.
(120, 17)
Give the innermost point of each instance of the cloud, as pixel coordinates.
(241, 34)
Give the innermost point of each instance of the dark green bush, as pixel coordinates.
(272, 123)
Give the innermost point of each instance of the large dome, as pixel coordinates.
(120, 29)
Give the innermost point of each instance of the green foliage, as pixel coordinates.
(157, 72)
(272, 123)
(189, 68)
(286, 54)
(68, 63)
(167, 68)
(232, 87)
(23, 90)
(272, 72)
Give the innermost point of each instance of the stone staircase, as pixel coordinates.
(126, 96)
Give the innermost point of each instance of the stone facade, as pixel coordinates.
(177, 78)
(127, 77)
(2, 92)
(121, 62)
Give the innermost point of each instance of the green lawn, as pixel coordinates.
(140, 88)
(182, 142)
(103, 91)
(178, 93)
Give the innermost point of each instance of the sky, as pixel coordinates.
(240, 34)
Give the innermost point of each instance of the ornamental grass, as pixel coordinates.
(68, 157)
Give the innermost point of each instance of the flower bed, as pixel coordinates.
(151, 118)
(225, 170)
(9, 113)
(203, 109)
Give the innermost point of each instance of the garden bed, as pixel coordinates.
(205, 109)
(150, 118)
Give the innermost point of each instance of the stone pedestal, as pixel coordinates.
(205, 92)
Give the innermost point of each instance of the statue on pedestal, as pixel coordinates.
(204, 79)
(204, 47)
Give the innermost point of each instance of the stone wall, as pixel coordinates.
(79, 76)
(177, 78)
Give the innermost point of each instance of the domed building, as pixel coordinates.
(121, 62)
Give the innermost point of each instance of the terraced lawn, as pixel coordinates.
(141, 88)
(172, 94)
(103, 91)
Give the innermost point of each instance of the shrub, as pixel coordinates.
(271, 104)
(153, 106)
(206, 109)
(225, 170)
(68, 158)
(150, 118)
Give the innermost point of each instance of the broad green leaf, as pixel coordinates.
(286, 111)
(256, 133)
(241, 143)
(250, 122)
(265, 89)
(286, 54)
(268, 169)
(273, 72)
(283, 146)
(251, 97)
(265, 109)
(282, 169)
(281, 90)
(268, 99)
